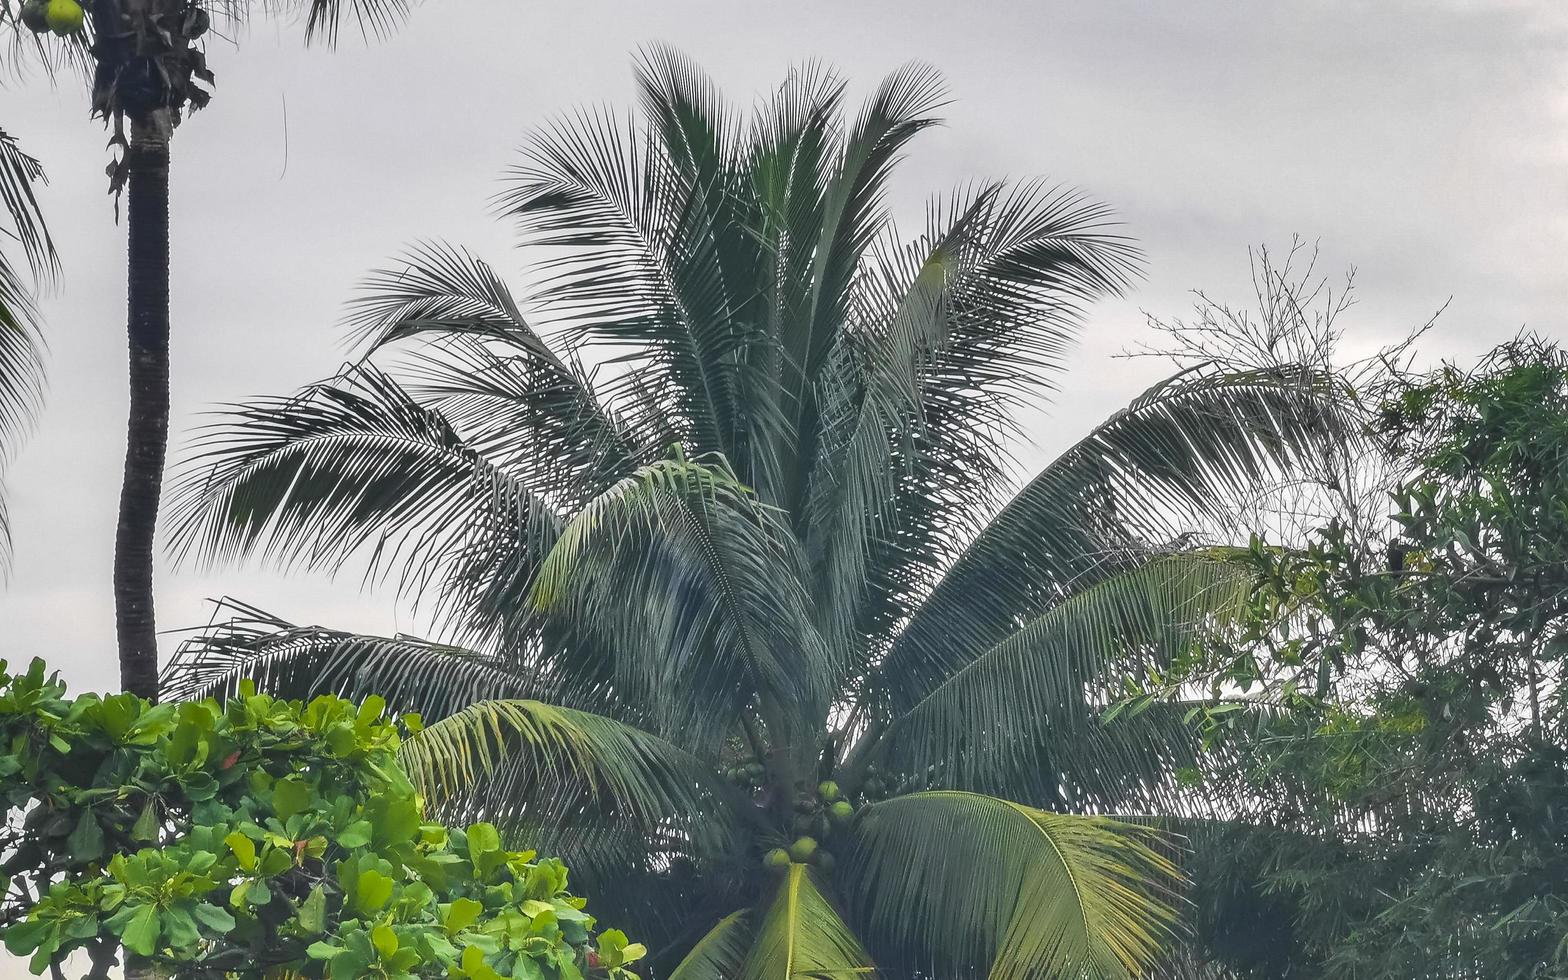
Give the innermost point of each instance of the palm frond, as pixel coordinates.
(21, 341)
(1184, 453)
(960, 332)
(19, 171)
(854, 208)
(1029, 708)
(604, 200)
(697, 591)
(1006, 890)
(802, 935)
(357, 467)
(526, 762)
(720, 953)
(437, 289)
(324, 19)
(292, 661)
(514, 397)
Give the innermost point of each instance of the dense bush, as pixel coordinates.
(259, 837)
(1410, 783)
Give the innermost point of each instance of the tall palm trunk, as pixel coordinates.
(147, 436)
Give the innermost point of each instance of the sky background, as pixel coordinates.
(1423, 142)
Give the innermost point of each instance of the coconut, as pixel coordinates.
(803, 848)
(825, 862)
(828, 790)
(64, 16)
(776, 858)
(34, 16)
(841, 812)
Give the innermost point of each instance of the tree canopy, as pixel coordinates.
(742, 604)
(1408, 796)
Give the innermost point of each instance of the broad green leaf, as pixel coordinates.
(146, 827)
(215, 918)
(356, 834)
(141, 936)
(461, 914)
(290, 796)
(373, 891)
(384, 937)
(86, 841)
(244, 850)
(313, 911)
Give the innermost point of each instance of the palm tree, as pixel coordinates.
(743, 615)
(21, 344)
(147, 66)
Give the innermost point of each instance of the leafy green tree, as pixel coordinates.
(1410, 788)
(259, 838)
(747, 618)
(21, 344)
(147, 68)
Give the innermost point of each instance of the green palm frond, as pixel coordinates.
(24, 220)
(1189, 449)
(525, 415)
(526, 762)
(436, 288)
(636, 236)
(802, 935)
(720, 953)
(357, 467)
(959, 332)
(288, 660)
(489, 372)
(696, 589)
(854, 208)
(324, 19)
(1007, 890)
(1030, 706)
(21, 341)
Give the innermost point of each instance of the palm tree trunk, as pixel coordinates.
(147, 435)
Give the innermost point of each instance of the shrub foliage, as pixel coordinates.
(260, 837)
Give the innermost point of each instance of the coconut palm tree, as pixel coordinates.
(744, 612)
(21, 344)
(147, 68)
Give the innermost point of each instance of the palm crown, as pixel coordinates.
(763, 557)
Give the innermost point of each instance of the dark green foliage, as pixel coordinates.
(1417, 782)
(259, 838)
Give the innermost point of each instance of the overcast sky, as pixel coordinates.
(1422, 141)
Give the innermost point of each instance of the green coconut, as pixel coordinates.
(34, 16)
(64, 16)
(802, 850)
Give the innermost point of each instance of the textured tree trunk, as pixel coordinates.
(147, 435)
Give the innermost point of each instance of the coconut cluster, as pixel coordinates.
(59, 17)
(817, 816)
